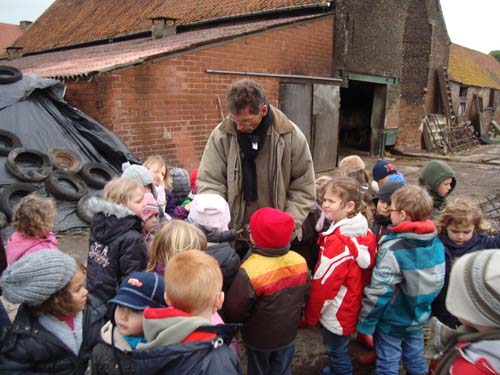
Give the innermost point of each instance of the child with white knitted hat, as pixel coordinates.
(57, 324)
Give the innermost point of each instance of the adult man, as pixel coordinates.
(257, 158)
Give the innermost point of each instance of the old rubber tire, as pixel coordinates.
(96, 175)
(8, 142)
(82, 209)
(65, 160)
(65, 185)
(11, 195)
(9, 74)
(42, 164)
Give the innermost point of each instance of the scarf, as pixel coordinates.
(250, 144)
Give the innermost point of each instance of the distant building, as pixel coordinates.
(9, 33)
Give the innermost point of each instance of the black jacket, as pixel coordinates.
(220, 249)
(26, 347)
(116, 247)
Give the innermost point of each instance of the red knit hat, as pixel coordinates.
(192, 180)
(271, 228)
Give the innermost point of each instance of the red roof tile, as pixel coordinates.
(68, 22)
(8, 33)
(473, 68)
(89, 60)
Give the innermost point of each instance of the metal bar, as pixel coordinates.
(257, 74)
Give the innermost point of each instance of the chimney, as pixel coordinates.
(24, 25)
(163, 26)
(14, 52)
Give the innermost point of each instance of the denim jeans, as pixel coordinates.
(390, 350)
(337, 349)
(270, 361)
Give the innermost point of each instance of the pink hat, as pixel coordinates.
(210, 211)
(150, 206)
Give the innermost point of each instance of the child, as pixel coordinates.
(461, 228)
(32, 220)
(181, 192)
(439, 180)
(268, 293)
(150, 218)
(120, 335)
(408, 275)
(158, 169)
(174, 237)
(353, 166)
(181, 339)
(383, 172)
(210, 212)
(192, 180)
(57, 324)
(347, 254)
(382, 200)
(116, 244)
(474, 299)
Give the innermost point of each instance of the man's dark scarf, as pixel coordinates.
(249, 154)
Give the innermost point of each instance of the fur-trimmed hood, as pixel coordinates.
(99, 204)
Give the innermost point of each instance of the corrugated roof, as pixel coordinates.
(86, 61)
(8, 33)
(473, 68)
(68, 22)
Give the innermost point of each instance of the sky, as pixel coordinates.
(470, 23)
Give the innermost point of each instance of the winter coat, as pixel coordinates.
(431, 176)
(290, 167)
(220, 248)
(182, 344)
(27, 347)
(475, 353)
(267, 296)
(116, 247)
(380, 224)
(347, 255)
(18, 245)
(479, 241)
(112, 354)
(408, 275)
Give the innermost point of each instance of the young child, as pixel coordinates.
(174, 237)
(159, 171)
(408, 275)
(116, 244)
(382, 200)
(150, 213)
(462, 230)
(474, 299)
(119, 336)
(181, 192)
(180, 338)
(439, 180)
(353, 166)
(32, 219)
(383, 172)
(347, 254)
(210, 212)
(57, 324)
(268, 293)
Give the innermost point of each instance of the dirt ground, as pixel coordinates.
(478, 178)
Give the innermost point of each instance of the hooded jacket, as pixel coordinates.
(179, 343)
(19, 245)
(432, 175)
(291, 170)
(220, 248)
(408, 275)
(479, 241)
(267, 296)
(27, 347)
(347, 255)
(116, 247)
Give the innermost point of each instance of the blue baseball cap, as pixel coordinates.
(140, 290)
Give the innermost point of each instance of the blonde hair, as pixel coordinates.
(158, 161)
(174, 237)
(119, 190)
(193, 280)
(33, 215)
(347, 188)
(414, 200)
(462, 212)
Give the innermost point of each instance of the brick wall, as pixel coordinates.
(169, 106)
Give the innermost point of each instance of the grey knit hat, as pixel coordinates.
(36, 276)
(474, 289)
(137, 172)
(181, 186)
